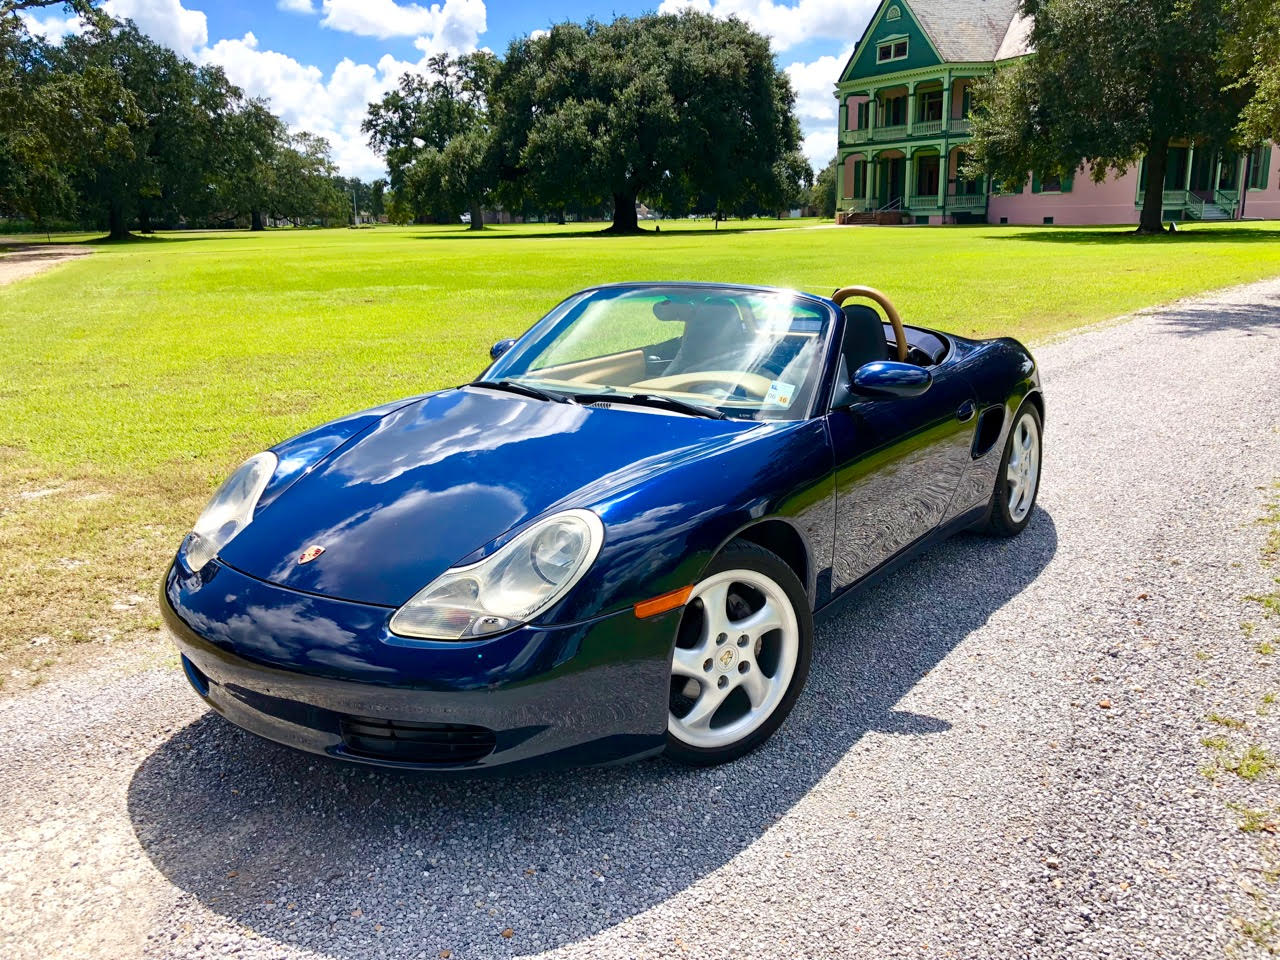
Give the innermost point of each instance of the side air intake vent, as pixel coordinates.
(990, 423)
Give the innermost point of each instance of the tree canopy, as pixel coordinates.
(109, 128)
(651, 107)
(1112, 82)
(673, 110)
(435, 132)
(1252, 64)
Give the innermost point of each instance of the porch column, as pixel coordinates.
(1217, 174)
(946, 104)
(873, 164)
(844, 114)
(1186, 179)
(871, 114)
(944, 164)
(911, 108)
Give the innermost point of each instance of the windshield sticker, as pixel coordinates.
(780, 394)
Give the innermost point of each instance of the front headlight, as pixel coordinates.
(510, 587)
(230, 510)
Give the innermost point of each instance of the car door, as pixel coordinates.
(898, 462)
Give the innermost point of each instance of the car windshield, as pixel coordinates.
(740, 353)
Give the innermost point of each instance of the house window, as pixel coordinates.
(893, 13)
(1259, 160)
(859, 179)
(895, 112)
(931, 106)
(1051, 183)
(893, 50)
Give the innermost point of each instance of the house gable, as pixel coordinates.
(894, 22)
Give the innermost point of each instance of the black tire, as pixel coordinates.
(743, 555)
(1001, 522)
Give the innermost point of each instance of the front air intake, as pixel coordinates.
(408, 741)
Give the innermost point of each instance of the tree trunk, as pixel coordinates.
(1150, 220)
(255, 221)
(560, 217)
(624, 214)
(118, 228)
(477, 216)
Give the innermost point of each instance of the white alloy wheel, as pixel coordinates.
(1023, 468)
(740, 662)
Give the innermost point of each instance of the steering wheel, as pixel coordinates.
(870, 293)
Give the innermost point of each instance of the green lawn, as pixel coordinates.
(133, 379)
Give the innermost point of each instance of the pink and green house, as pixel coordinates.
(905, 96)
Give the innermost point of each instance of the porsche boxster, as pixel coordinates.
(613, 543)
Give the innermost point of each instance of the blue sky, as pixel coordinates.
(321, 61)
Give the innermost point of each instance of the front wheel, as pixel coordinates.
(741, 656)
(1018, 481)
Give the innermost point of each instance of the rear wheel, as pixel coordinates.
(741, 656)
(1018, 481)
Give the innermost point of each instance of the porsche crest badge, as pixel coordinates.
(310, 553)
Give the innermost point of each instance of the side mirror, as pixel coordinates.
(499, 348)
(888, 378)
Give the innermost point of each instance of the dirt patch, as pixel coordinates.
(19, 261)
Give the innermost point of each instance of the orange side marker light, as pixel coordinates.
(663, 602)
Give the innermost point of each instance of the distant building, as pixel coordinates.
(905, 96)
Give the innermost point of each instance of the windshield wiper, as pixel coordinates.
(514, 386)
(671, 403)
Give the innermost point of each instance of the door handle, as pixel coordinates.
(965, 412)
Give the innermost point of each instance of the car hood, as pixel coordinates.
(439, 479)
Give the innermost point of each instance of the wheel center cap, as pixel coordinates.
(726, 658)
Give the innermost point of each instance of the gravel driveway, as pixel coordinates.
(998, 754)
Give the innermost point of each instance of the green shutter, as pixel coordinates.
(1263, 163)
(1035, 182)
(1066, 181)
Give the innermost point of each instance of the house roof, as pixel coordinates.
(969, 30)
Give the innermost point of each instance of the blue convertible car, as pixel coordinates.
(611, 544)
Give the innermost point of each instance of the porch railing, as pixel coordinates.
(1171, 198)
(960, 125)
(926, 128)
(1226, 199)
(855, 136)
(923, 201)
(891, 133)
(966, 201)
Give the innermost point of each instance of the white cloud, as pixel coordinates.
(306, 99)
(454, 25)
(53, 27)
(330, 105)
(789, 24)
(165, 21)
(539, 34)
(816, 106)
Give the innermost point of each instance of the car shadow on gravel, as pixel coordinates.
(351, 862)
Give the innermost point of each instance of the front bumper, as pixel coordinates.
(327, 676)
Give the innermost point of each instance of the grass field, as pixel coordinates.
(135, 378)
